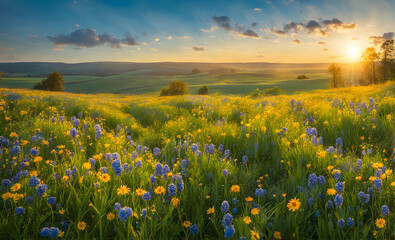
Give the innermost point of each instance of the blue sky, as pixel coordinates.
(187, 31)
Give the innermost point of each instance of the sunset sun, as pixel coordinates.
(354, 53)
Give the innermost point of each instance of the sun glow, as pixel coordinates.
(354, 53)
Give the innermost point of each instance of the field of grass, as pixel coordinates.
(105, 166)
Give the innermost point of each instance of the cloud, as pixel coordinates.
(157, 39)
(336, 24)
(249, 33)
(257, 9)
(315, 27)
(376, 40)
(296, 41)
(184, 37)
(223, 22)
(322, 42)
(33, 36)
(260, 56)
(5, 49)
(334, 57)
(77, 25)
(154, 49)
(254, 24)
(57, 49)
(278, 32)
(289, 2)
(354, 38)
(88, 38)
(325, 49)
(292, 26)
(169, 38)
(199, 49)
(212, 29)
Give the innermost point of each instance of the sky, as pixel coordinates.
(286, 31)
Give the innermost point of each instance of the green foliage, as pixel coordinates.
(337, 80)
(54, 82)
(203, 90)
(275, 91)
(175, 88)
(302, 77)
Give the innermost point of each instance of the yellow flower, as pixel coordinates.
(393, 184)
(160, 190)
(61, 233)
(87, 165)
(187, 224)
(65, 178)
(110, 216)
(372, 178)
(380, 222)
(235, 188)
(175, 201)
(37, 159)
(211, 210)
(254, 211)
(249, 199)
(331, 191)
(123, 190)
(140, 191)
(62, 211)
(207, 197)
(308, 165)
(16, 187)
(105, 177)
(80, 179)
(358, 178)
(255, 235)
(23, 113)
(293, 204)
(247, 220)
(277, 235)
(82, 225)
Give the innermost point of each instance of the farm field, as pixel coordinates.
(108, 166)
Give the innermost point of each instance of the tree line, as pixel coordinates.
(377, 66)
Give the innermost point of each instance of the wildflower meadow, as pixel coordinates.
(305, 166)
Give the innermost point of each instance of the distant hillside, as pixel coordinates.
(39, 69)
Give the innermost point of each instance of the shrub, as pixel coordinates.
(175, 88)
(54, 82)
(300, 77)
(266, 92)
(203, 90)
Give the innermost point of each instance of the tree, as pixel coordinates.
(78, 90)
(1, 74)
(196, 70)
(387, 59)
(203, 90)
(54, 82)
(300, 77)
(369, 57)
(337, 80)
(175, 88)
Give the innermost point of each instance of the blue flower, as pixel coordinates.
(338, 200)
(225, 172)
(194, 147)
(51, 201)
(310, 201)
(260, 192)
(116, 166)
(316, 214)
(76, 122)
(165, 169)
(359, 163)
(234, 210)
(158, 169)
(19, 211)
(378, 173)
(6, 182)
(229, 231)
(152, 179)
(235, 201)
(377, 183)
(363, 198)
(341, 223)
(44, 232)
(180, 185)
(194, 229)
(143, 212)
(34, 152)
(146, 196)
(29, 200)
(227, 220)
(385, 211)
(184, 163)
(138, 164)
(312, 180)
(350, 222)
(321, 180)
(172, 189)
(117, 206)
(339, 142)
(156, 152)
(122, 214)
(339, 186)
(53, 232)
(227, 153)
(224, 206)
(41, 189)
(98, 131)
(220, 148)
(73, 133)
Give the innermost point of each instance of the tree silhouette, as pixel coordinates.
(369, 57)
(337, 80)
(203, 90)
(387, 60)
(1, 75)
(53, 82)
